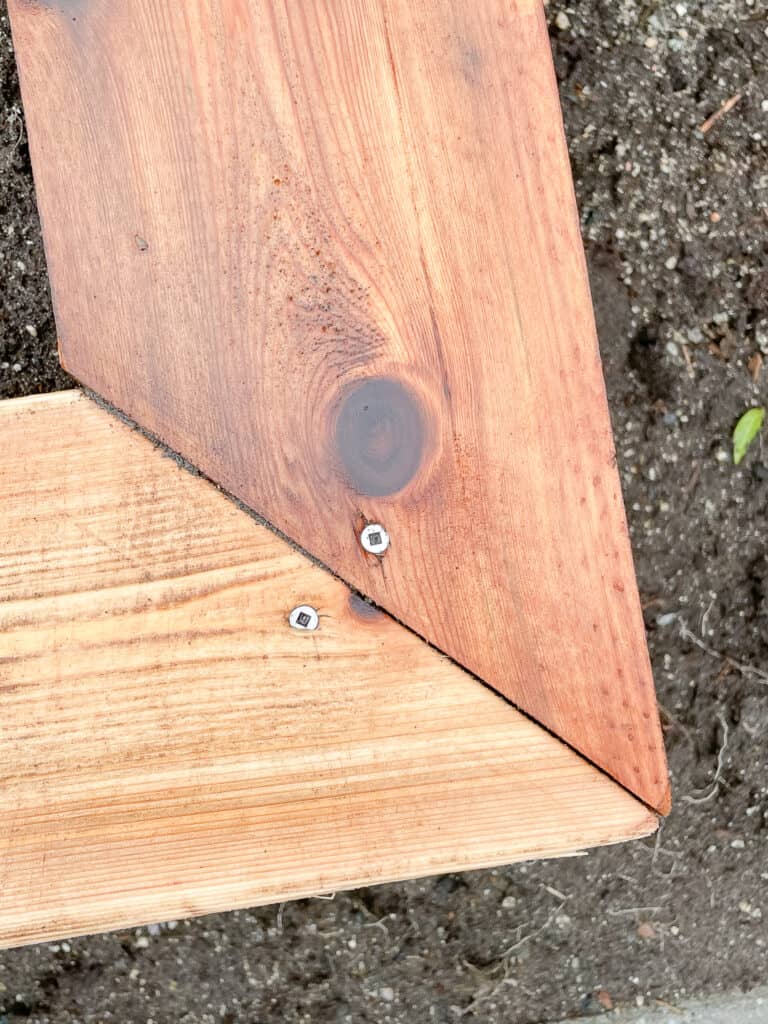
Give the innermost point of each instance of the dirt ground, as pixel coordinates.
(676, 230)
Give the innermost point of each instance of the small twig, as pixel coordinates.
(668, 1006)
(688, 360)
(531, 935)
(693, 480)
(657, 849)
(721, 111)
(409, 933)
(755, 365)
(487, 996)
(503, 964)
(705, 617)
(634, 910)
(15, 120)
(705, 798)
(745, 670)
(378, 924)
(675, 722)
(555, 892)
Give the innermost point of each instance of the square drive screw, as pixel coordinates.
(374, 539)
(304, 617)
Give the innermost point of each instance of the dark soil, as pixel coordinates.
(676, 229)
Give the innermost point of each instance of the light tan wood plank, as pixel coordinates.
(328, 250)
(170, 746)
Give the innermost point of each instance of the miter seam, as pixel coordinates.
(257, 517)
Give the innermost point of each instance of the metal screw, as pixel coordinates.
(374, 538)
(304, 617)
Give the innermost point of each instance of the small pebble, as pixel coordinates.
(562, 21)
(605, 1000)
(387, 994)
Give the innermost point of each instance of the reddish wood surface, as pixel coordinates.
(170, 746)
(329, 252)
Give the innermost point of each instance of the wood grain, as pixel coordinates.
(170, 746)
(329, 252)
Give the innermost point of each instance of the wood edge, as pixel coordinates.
(660, 801)
(69, 396)
(646, 825)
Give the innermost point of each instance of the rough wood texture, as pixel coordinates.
(170, 746)
(329, 252)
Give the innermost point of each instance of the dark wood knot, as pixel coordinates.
(380, 436)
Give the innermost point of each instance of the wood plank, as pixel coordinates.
(170, 746)
(329, 252)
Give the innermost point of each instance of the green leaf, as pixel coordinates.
(746, 431)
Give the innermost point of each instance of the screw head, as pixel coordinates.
(304, 617)
(374, 539)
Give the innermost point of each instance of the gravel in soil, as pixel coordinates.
(676, 230)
